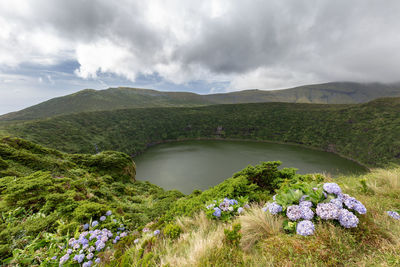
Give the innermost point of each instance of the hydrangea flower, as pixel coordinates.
(305, 228)
(54, 258)
(100, 246)
(224, 205)
(347, 219)
(217, 212)
(136, 241)
(97, 260)
(353, 203)
(337, 202)
(232, 201)
(64, 259)
(95, 223)
(327, 211)
(108, 213)
(90, 256)
(85, 226)
(274, 197)
(69, 251)
(79, 257)
(395, 215)
(146, 230)
(102, 218)
(273, 208)
(246, 206)
(294, 212)
(156, 232)
(123, 234)
(212, 205)
(306, 213)
(240, 210)
(306, 203)
(332, 188)
(87, 264)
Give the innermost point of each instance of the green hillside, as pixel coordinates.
(72, 209)
(121, 98)
(368, 133)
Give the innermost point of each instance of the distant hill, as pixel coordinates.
(123, 97)
(365, 132)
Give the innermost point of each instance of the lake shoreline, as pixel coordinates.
(247, 140)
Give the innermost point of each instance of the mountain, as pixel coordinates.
(123, 98)
(365, 132)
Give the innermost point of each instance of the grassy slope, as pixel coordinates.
(45, 191)
(119, 98)
(368, 132)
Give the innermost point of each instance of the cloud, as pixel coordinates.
(247, 44)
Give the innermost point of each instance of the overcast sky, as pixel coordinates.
(50, 48)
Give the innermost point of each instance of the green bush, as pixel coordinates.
(87, 210)
(233, 235)
(173, 231)
(3, 164)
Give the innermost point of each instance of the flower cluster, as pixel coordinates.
(330, 204)
(226, 208)
(394, 214)
(83, 249)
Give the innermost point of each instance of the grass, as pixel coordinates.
(375, 242)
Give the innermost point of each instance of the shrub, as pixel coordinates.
(173, 231)
(233, 235)
(3, 164)
(88, 210)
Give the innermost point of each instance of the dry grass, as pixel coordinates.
(200, 236)
(257, 225)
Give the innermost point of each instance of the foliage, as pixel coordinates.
(172, 231)
(233, 235)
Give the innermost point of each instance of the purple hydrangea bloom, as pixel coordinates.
(353, 203)
(393, 214)
(69, 251)
(305, 228)
(64, 259)
(212, 205)
(71, 242)
(240, 210)
(85, 226)
(136, 241)
(115, 220)
(156, 232)
(294, 212)
(100, 246)
(76, 246)
(347, 219)
(327, 211)
(87, 264)
(338, 202)
(123, 234)
(117, 238)
(306, 213)
(146, 230)
(79, 257)
(332, 188)
(95, 223)
(90, 256)
(224, 205)
(274, 198)
(273, 208)
(217, 212)
(97, 260)
(306, 203)
(233, 202)
(246, 206)
(114, 241)
(54, 258)
(102, 218)
(108, 213)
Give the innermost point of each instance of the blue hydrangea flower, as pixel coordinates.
(294, 212)
(95, 223)
(97, 260)
(90, 256)
(79, 257)
(108, 213)
(102, 218)
(305, 228)
(217, 212)
(332, 188)
(85, 226)
(123, 234)
(347, 219)
(233, 202)
(306, 203)
(212, 205)
(224, 205)
(240, 210)
(54, 258)
(64, 259)
(274, 198)
(353, 203)
(100, 246)
(338, 202)
(156, 232)
(87, 264)
(395, 215)
(69, 251)
(136, 241)
(327, 211)
(273, 208)
(115, 220)
(306, 213)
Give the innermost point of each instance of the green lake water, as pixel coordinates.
(190, 165)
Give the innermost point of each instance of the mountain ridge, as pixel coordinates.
(125, 97)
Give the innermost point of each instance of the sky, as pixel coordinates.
(52, 48)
